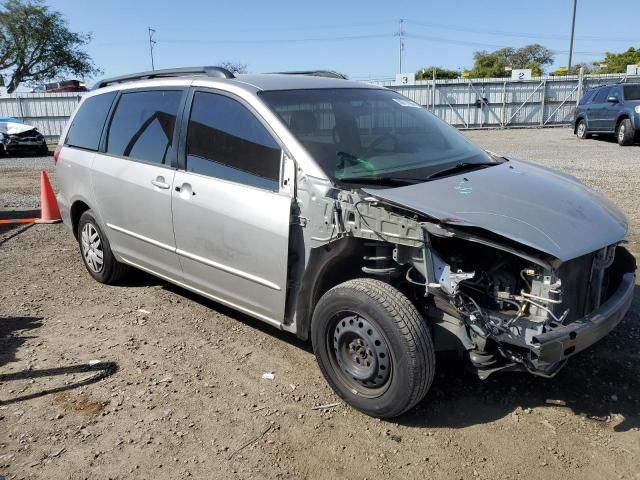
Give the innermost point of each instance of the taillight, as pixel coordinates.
(56, 154)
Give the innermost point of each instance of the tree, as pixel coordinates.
(36, 45)
(234, 67)
(441, 73)
(493, 64)
(617, 62)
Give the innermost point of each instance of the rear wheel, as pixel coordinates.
(96, 251)
(581, 130)
(625, 133)
(373, 347)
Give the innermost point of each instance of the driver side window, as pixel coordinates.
(225, 140)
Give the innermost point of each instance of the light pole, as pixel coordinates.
(573, 28)
(152, 42)
(400, 35)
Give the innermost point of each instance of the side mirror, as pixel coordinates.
(612, 99)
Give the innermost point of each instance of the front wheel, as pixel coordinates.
(373, 347)
(625, 133)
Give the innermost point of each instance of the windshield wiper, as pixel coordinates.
(370, 180)
(460, 167)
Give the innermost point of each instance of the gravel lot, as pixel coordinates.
(178, 393)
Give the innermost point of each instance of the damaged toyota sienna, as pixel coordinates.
(345, 214)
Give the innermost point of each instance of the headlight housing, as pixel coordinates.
(637, 109)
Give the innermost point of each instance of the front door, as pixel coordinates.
(611, 110)
(230, 216)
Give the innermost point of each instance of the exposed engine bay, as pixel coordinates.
(507, 306)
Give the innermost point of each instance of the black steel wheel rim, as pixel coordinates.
(360, 354)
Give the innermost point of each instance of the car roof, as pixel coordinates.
(314, 79)
(277, 81)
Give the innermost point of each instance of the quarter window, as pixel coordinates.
(143, 124)
(587, 97)
(87, 124)
(602, 95)
(225, 140)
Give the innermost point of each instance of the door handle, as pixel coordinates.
(160, 183)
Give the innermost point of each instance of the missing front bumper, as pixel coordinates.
(565, 341)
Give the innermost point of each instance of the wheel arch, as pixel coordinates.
(327, 267)
(621, 117)
(78, 207)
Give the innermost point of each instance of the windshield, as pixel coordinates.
(632, 92)
(371, 133)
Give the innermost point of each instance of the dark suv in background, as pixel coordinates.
(610, 109)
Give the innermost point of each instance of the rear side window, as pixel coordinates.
(588, 96)
(87, 124)
(602, 95)
(225, 140)
(143, 124)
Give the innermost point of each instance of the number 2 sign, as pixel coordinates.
(521, 74)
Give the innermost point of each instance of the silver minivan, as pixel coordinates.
(348, 215)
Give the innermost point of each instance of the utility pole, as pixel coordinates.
(152, 42)
(400, 36)
(573, 28)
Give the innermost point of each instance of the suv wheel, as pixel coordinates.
(373, 347)
(625, 133)
(581, 130)
(96, 251)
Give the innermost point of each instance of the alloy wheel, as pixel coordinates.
(92, 248)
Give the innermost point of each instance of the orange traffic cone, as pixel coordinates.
(49, 211)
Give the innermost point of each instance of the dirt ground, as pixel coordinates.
(149, 381)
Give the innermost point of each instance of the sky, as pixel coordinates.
(350, 36)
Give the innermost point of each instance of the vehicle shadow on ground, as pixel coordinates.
(240, 317)
(95, 373)
(10, 338)
(597, 384)
(612, 139)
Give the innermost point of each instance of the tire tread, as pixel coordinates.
(410, 324)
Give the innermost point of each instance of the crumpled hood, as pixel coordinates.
(528, 203)
(13, 128)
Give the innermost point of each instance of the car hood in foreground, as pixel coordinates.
(528, 203)
(14, 128)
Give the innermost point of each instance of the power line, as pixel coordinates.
(283, 29)
(503, 33)
(279, 40)
(478, 44)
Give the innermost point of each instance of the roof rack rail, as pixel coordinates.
(218, 72)
(315, 73)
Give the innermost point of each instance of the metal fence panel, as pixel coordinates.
(48, 112)
(503, 103)
(464, 103)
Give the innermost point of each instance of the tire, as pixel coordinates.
(93, 243)
(366, 320)
(625, 133)
(581, 130)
